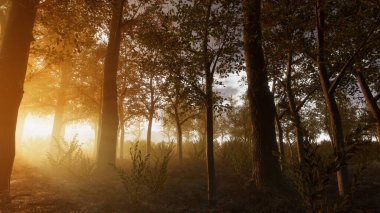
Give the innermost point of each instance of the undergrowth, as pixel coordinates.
(148, 174)
(68, 158)
(313, 176)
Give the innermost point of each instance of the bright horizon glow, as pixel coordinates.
(40, 126)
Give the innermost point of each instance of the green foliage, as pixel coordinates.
(146, 178)
(69, 158)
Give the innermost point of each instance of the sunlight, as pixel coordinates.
(38, 126)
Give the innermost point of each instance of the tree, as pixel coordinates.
(332, 108)
(109, 120)
(13, 63)
(210, 39)
(266, 170)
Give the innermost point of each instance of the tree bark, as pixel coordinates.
(294, 112)
(179, 135)
(14, 55)
(121, 142)
(149, 134)
(280, 138)
(332, 108)
(370, 100)
(209, 111)
(150, 117)
(109, 117)
(266, 171)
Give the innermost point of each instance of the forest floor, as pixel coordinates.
(34, 189)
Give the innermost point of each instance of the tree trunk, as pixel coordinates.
(266, 170)
(293, 111)
(60, 108)
(332, 108)
(150, 117)
(210, 142)
(370, 100)
(179, 136)
(280, 138)
(209, 111)
(121, 142)
(13, 62)
(109, 117)
(149, 135)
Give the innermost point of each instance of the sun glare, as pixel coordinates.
(41, 127)
(37, 126)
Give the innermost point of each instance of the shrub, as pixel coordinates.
(145, 178)
(69, 158)
(312, 178)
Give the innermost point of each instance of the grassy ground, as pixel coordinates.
(36, 189)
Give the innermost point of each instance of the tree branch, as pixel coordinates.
(342, 71)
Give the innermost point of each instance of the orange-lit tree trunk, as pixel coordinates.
(336, 128)
(109, 113)
(13, 62)
(266, 170)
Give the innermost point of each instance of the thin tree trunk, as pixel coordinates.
(60, 108)
(14, 55)
(209, 112)
(370, 100)
(210, 143)
(121, 142)
(179, 136)
(293, 111)
(279, 129)
(332, 108)
(149, 134)
(109, 117)
(280, 138)
(266, 171)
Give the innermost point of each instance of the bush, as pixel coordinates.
(69, 158)
(312, 178)
(145, 178)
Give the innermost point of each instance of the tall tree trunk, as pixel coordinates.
(332, 108)
(266, 170)
(20, 126)
(210, 142)
(209, 111)
(57, 132)
(109, 117)
(13, 62)
(293, 111)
